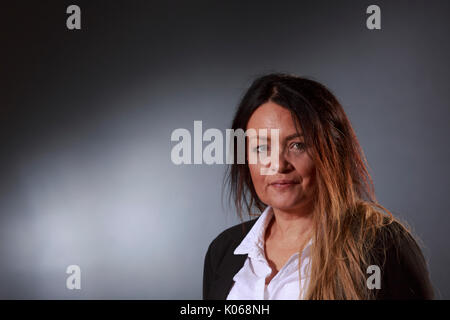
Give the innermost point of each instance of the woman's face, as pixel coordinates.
(290, 185)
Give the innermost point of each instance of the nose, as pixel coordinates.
(282, 163)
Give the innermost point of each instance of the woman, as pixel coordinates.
(321, 233)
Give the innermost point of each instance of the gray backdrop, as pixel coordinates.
(86, 118)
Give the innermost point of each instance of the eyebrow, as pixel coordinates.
(295, 135)
(289, 137)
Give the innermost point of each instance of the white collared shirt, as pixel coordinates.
(250, 281)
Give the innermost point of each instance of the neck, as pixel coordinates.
(290, 226)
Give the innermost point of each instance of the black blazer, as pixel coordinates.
(404, 274)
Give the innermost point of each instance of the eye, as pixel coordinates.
(299, 146)
(261, 148)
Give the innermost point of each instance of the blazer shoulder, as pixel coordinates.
(232, 234)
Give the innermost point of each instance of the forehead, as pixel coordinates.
(272, 116)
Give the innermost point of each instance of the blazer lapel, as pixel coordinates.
(224, 280)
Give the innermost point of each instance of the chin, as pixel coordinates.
(287, 204)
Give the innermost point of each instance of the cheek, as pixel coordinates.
(306, 169)
(310, 178)
(257, 178)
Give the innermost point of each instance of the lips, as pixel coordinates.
(284, 183)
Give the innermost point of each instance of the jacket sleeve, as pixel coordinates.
(405, 272)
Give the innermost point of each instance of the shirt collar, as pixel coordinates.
(253, 243)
